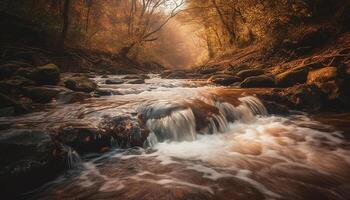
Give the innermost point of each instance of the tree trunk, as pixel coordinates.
(65, 16)
(230, 32)
(125, 50)
(88, 5)
(208, 39)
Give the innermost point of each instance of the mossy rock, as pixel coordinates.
(80, 84)
(46, 75)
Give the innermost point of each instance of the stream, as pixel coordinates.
(206, 142)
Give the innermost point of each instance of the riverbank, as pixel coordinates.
(311, 74)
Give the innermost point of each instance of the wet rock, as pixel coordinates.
(276, 108)
(80, 84)
(126, 131)
(42, 94)
(29, 158)
(261, 81)
(46, 75)
(102, 92)
(14, 84)
(68, 97)
(250, 72)
(204, 113)
(292, 77)
(10, 107)
(105, 92)
(136, 81)
(142, 76)
(114, 81)
(305, 97)
(84, 139)
(224, 79)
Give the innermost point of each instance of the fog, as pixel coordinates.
(180, 45)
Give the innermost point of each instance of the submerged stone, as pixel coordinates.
(29, 158)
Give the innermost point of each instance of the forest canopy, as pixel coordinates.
(176, 33)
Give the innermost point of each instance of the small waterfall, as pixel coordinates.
(180, 124)
(246, 112)
(255, 105)
(73, 159)
(151, 140)
(217, 123)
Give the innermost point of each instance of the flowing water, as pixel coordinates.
(205, 143)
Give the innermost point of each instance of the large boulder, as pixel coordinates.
(261, 81)
(224, 79)
(250, 72)
(29, 158)
(292, 77)
(126, 131)
(46, 75)
(9, 107)
(42, 94)
(80, 84)
(84, 139)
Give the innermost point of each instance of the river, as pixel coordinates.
(206, 142)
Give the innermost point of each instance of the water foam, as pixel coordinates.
(173, 123)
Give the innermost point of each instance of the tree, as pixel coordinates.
(65, 16)
(147, 18)
(88, 6)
